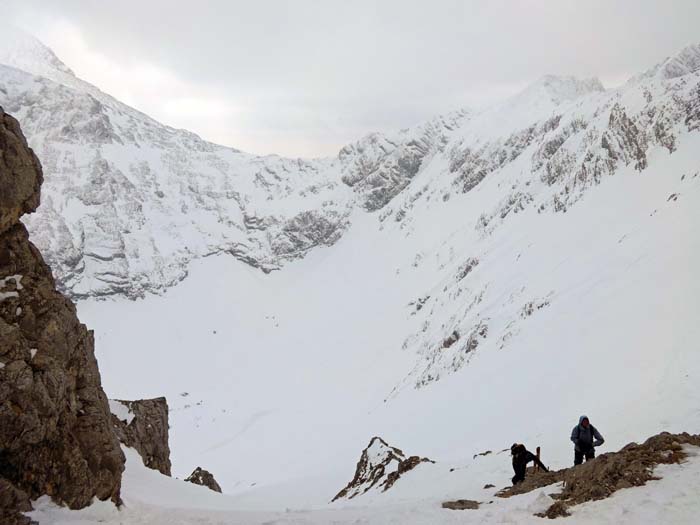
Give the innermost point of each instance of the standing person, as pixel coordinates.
(521, 457)
(585, 437)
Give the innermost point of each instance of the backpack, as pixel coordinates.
(593, 431)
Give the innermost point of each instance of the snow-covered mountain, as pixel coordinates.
(129, 202)
(476, 280)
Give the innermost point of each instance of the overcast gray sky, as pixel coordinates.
(303, 77)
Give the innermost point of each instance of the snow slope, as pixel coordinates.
(308, 363)
(476, 280)
(157, 500)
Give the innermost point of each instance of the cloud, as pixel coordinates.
(306, 77)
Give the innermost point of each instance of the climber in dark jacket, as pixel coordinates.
(521, 457)
(585, 437)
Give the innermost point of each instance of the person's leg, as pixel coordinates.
(518, 478)
(519, 474)
(590, 454)
(578, 457)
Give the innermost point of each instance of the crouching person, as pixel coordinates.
(521, 457)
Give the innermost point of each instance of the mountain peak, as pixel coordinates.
(24, 51)
(559, 89)
(686, 61)
(535, 102)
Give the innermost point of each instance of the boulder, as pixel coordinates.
(143, 425)
(56, 435)
(205, 478)
(380, 465)
(461, 504)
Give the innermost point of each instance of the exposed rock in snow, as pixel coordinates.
(55, 432)
(380, 465)
(461, 504)
(205, 478)
(143, 425)
(379, 167)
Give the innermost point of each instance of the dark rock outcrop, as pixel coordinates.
(451, 339)
(20, 174)
(143, 425)
(55, 432)
(205, 478)
(381, 465)
(461, 504)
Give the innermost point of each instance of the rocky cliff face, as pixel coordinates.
(55, 430)
(143, 425)
(378, 167)
(21, 175)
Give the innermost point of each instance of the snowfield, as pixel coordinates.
(291, 373)
(288, 375)
(154, 499)
(480, 279)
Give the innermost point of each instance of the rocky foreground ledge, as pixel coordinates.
(631, 466)
(56, 434)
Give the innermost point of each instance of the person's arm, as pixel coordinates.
(574, 436)
(539, 463)
(599, 440)
(531, 457)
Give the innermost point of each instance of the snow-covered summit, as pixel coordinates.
(685, 62)
(557, 89)
(26, 52)
(541, 100)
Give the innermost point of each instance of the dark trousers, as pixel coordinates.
(519, 475)
(588, 454)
